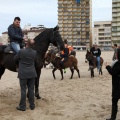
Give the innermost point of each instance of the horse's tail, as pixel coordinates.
(74, 61)
(2, 47)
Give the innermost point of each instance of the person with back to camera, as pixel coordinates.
(26, 74)
(15, 35)
(114, 71)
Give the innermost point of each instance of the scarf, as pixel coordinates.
(114, 63)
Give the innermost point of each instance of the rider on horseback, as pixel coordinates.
(15, 34)
(64, 55)
(96, 53)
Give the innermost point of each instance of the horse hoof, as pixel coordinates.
(38, 97)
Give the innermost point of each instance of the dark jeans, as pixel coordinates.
(24, 83)
(114, 108)
(62, 62)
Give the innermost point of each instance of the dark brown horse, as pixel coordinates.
(70, 63)
(41, 44)
(93, 63)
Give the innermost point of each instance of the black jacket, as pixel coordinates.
(26, 58)
(15, 34)
(115, 72)
(96, 52)
(66, 53)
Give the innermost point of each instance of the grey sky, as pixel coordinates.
(44, 12)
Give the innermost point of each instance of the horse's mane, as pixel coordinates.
(43, 33)
(42, 40)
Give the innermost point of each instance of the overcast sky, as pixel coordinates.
(44, 12)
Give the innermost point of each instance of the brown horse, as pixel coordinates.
(93, 63)
(71, 63)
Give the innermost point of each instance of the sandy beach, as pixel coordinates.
(82, 98)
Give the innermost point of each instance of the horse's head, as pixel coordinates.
(57, 39)
(88, 55)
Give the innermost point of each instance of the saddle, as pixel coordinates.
(9, 49)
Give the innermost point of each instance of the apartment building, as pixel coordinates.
(75, 21)
(116, 21)
(102, 34)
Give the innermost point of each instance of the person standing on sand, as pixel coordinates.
(114, 71)
(26, 74)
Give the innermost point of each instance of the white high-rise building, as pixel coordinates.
(116, 21)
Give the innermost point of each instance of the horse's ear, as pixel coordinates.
(56, 28)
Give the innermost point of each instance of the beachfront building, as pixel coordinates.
(75, 21)
(102, 34)
(116, 21)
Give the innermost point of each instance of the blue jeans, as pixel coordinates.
(98, 62)
(15, 46)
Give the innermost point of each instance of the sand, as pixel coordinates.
(82, 98)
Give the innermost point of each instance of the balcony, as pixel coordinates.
(115, 1)
(114, 24)
(114, 15)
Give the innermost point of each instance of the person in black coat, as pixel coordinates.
(26, 74)
(114, 71)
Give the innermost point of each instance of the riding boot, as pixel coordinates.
(113, 113)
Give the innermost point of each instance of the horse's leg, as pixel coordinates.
(37, 83)
(53, 71)
(76, 68)
(61, 71)
(2, 70)
(92, 72)
(101, 70)
(72, 71)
